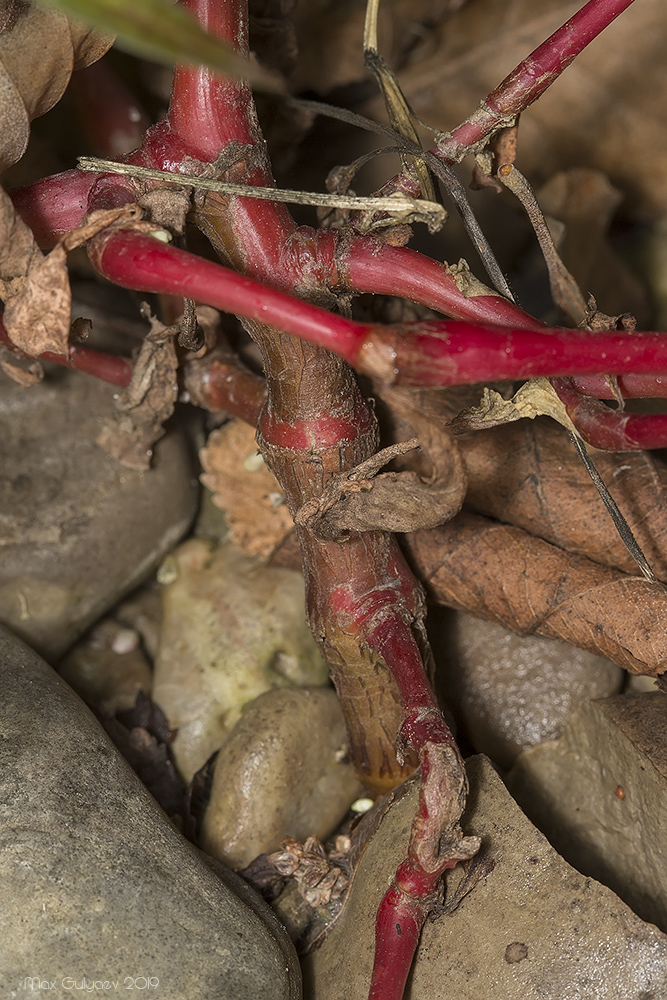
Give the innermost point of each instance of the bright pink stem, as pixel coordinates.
(379, 268)
(531, 77)
(630, 386)
(54, 206)
(435, 353)
(398, 925)
(611, 430)
(141, 262)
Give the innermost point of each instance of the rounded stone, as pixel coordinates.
(283, 772)
(97, 883)
(78, 530)
(510, 691)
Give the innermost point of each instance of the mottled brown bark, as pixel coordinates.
(311, 393)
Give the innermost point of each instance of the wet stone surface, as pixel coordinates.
(77, 529)
(511, 691)
(96, 882)
(533, 928)
(599, 793)
(281, 773)
(232, 628)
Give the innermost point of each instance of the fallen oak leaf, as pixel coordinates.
(505, 575)
(535, 398)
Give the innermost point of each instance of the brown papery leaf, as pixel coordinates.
(329, 37)
(34, 288)
(245, 489)
(600, 113)
(529, 475)
(38, 53)
(361, 500)
(147, 402)
(505, 575)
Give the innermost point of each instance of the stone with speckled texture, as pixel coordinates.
(96, 882)
(77, 529)
(533, 929)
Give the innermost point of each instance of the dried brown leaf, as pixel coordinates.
(34, 288)
(505, 575)
(361, 500)
(529, 475)
(585, 202)
(330, 34)
(245, 489)
(37, 55)
(147, 402)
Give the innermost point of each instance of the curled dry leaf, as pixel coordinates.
(39, 49)
(529, 475)
(147, 402)
(505, 575)
(534, 398)
(361, 500)
(245, 489)
(317, 875)
(34, 288)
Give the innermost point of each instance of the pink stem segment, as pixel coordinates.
(611, 430)
(54, 206)
(435, 353)
(530, 78)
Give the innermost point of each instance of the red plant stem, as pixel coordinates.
(110, 114)
(630, 386)
(222, 383)
(367, 265)
(611, 430)
(398, 925)
(54, 206)
(433, 353)
(530, 78)
(107, 367)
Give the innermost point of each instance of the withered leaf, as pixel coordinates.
(35, 288)
(361, 500)
(38, 52)
(528, 474)
(505, 575)
(245, 489)
(142, 736)
(147, 402)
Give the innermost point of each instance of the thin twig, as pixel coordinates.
(427, 211)
(623, 528)
(564, 289)
(399, 111)
(443, 172)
